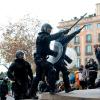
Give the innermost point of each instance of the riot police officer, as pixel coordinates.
(19, 72)
(61, 65)
(42, 65)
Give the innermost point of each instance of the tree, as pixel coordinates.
(20, 36)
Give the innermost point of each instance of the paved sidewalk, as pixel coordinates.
(89, 94)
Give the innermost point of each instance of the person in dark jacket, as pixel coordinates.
(4, 89)
(92, 67)
(61, 65)
(20, 72)
(43, 67)
(97, 53)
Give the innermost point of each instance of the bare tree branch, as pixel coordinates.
(20, 36)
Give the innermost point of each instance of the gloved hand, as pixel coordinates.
(81, 28)
(64, 31)
(78, 31)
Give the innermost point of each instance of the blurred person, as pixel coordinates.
(81, 77)
(19, 72)
(77, 81)
(72, 79)
(97, 53)
(92, 67)
(4, 89)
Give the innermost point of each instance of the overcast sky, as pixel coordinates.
(48, 10)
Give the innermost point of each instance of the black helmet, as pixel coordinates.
(45, 27)
(80, 68)
(19, 54)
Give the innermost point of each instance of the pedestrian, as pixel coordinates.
(4, 89)
(97, 53)
(77, 81)
(19, 72)
(72, 78)
(81, 78)
(92, 67)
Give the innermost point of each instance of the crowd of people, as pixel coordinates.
(87, 75)
(47, 74)
(84, 77)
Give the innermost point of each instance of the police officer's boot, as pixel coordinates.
(69, 89)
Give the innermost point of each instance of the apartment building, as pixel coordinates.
(84, 42)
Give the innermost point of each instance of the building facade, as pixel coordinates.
(84, 42)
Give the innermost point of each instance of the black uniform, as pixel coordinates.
(20, 72)
(43, 67)
(61, 65)
(93, 68)
(4, 90)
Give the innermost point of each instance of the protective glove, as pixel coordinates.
(79, 30)
(65, 31)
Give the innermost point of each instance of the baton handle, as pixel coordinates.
(82, 27)
(78, 21)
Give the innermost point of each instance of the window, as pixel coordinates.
(88, 49)
(77, 49)
(88, 26)
(77, 40)
(98, 25)
(88, 38)
(98, 37)
(78, 63)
